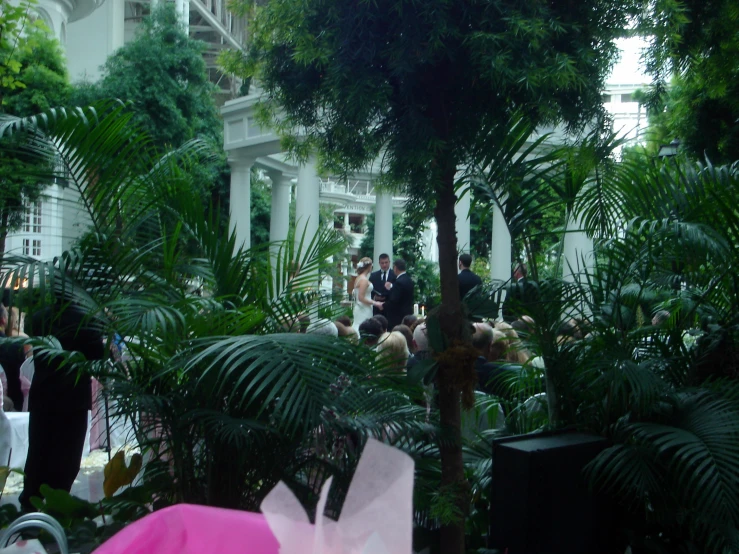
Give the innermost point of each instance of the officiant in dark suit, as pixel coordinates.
(378, 279)
(399, 298)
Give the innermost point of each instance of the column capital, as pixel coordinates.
(279, 178)
(241, 162)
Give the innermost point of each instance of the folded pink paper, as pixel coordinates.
(377, 518)
(188, 529)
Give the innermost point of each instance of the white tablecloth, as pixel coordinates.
(14, 431)
(14, 435)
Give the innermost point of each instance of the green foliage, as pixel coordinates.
(664, 393)
(694, 47)
(230, 400)
(42, 72)
(261, 209)
(161, 74)
(311, 60)
(13, 20)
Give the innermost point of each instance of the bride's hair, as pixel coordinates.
(363, 265)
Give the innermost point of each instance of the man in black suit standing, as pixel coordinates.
(467, 279)
(378, 279)
(522, 295)
(59, 401)
(399, 299)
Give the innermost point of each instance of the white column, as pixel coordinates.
(577, 248)
(240, 213)
(500, 251)
(327, 282)
(383, 225)
(279, 222)
(183, 12)
(462, 210)
(306, 202)
(347, 225)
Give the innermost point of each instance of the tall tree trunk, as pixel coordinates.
(4, 218)
(451, 320)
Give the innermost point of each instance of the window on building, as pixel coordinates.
(36, 247)
(605, 98)
(32, 222)
(37, 217)
(26, 247)
(626, 98)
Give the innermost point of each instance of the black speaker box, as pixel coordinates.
(540, 502)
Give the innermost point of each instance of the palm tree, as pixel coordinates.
(665, 393)
(223, 397)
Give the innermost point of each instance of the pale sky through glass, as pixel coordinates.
(629, 70)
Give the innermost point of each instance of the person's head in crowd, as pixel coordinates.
(420, 337)
(3, 318)
(569, 330)
(499, 347)
(370, 331)
(465, 261)
(323, 327)
(399, 266)
(340, 329)
(482, 338)
(345, 320)
(384, 260)
(660, 317)
(515, 352)
(521, 327)
(409, 321)
(14, 322)
(383, 321)
(346, 331)
(392, 348)
(407, 333)
(419, 321)
(302, 323)
(364, 266)
(519, 272)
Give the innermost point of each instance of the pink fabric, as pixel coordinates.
(97, 427)
(25, 388)
(189, 529)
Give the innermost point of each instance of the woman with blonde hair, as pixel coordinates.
(514, 350)
(393, 348)
(362, 294)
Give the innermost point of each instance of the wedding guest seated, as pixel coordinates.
(370, 331)
(347, 332)
(514, 349)
(490, 344)
(323, 327)
(392, 348)
(345, 320)
(419, 321)
(406, 332)
(383, 322)
(421, 350)
(410, 321)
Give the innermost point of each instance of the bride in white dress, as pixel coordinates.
(362, 293)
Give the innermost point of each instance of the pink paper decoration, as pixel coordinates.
(189, 529)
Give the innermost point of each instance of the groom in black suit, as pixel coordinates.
(378, 279)
(399, 301)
